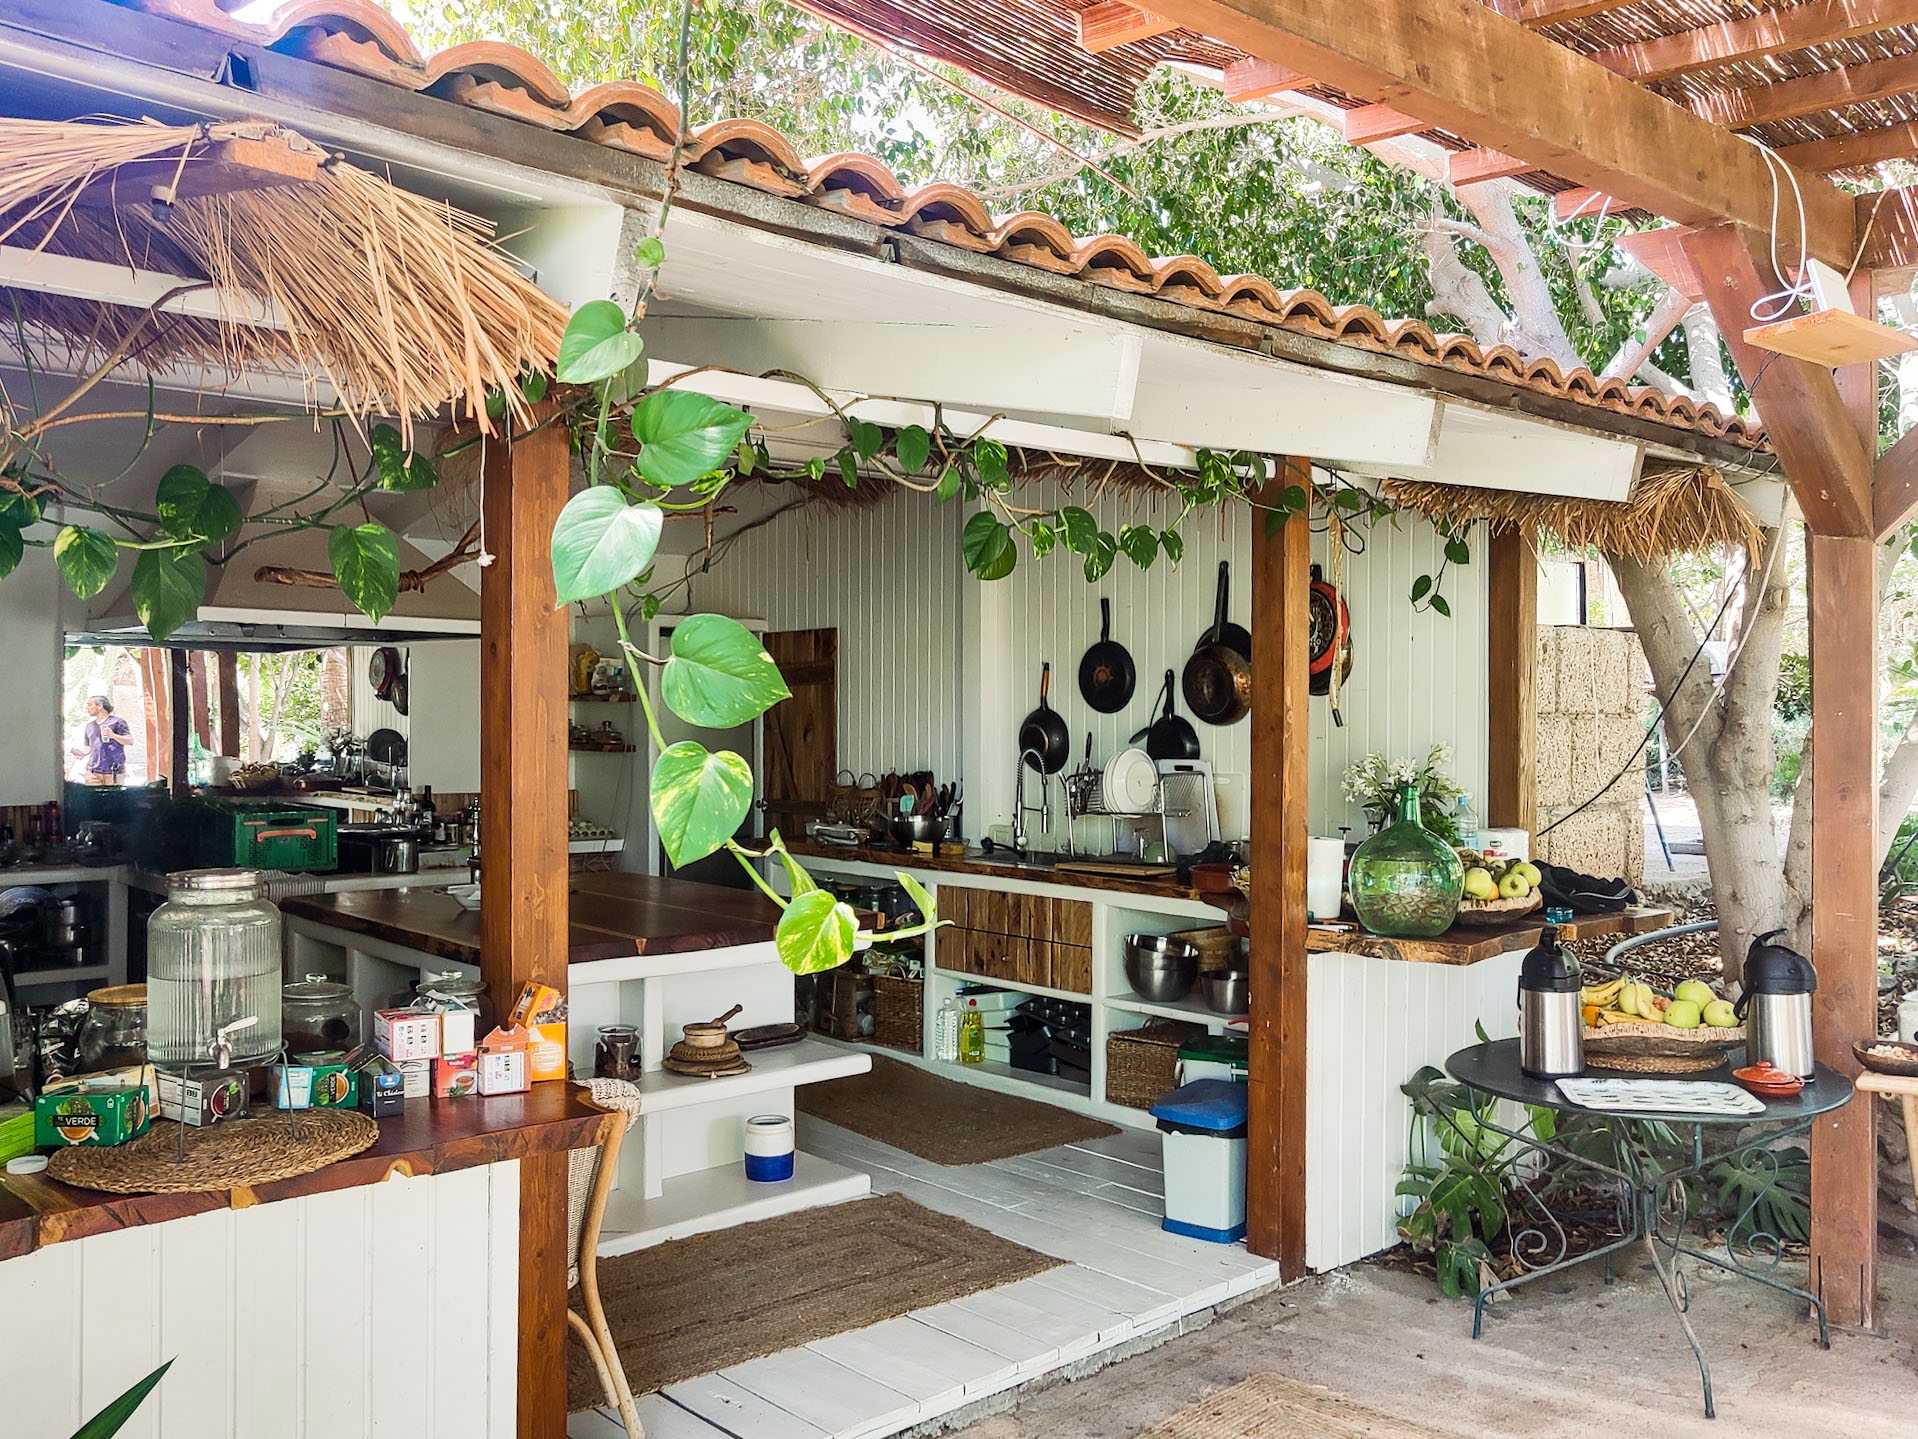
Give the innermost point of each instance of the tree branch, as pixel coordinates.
(1665, 317)
(1147, 138)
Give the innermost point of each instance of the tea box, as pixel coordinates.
(502, 1062)
(206, 1099)
(313, 1086)
(456, 1076)
(107, 1108)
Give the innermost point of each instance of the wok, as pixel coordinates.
(1106, 672)
(1170, 736)
(1044, 731)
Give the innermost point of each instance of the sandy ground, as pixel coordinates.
(1567, 1357)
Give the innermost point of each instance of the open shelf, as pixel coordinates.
(803, 1063)
(1191, 1007)
(620, 697)
(719, 1198)
(989, 983)
(35, 977)
(601, 748)
(1024, 1076)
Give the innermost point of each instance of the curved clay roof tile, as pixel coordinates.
(505, 65)
(1363, 322)
(855, 185)
(1115, 261)
(357, 20)
(1505, 360)
(1252, 296)
(744, 140)
(1190, 273)
(626, 102)
(954, 204)
(1034, 238)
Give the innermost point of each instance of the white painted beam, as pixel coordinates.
(1506, 452)
(50, 274)
(1055, 369)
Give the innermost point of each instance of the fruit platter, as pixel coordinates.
(1629, 1025)
(1497, 889)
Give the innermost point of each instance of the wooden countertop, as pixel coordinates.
(1462, 943)
(610, 916)
(430, 1136)
(984, 867)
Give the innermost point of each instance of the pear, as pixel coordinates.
(1697, 991)
(1513, 885)
(1719, 1014)
(1479, 883)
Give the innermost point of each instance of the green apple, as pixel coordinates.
(1682, 1014)
(1697, 991)
(1532, 873)
(1479, 884)
(1719, 1014)
(1512, 885)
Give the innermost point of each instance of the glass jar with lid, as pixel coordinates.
(454, 990)
(114, 1033)
(213, 962)
(319, 1015)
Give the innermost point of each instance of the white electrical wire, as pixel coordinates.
(1782, 301)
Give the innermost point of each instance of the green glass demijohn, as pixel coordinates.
(1406, 882)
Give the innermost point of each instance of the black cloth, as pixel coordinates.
(1583, 893)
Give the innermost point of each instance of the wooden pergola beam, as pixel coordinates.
(1855, 151)
(1462, 67)
(1811, 94)
(1112, 23)
(1771, 33)
(1371, 123)
(1251, 79)
(1511, 658)
(1894, 489)
(1557, 12)
(1824, 458)
(1475, 167)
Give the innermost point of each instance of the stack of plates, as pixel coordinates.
(1131, 782)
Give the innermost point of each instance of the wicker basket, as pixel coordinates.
(898, 1012)
(1143, 1063)
(1496, 911)
(1658, 1048)
(1218, 946)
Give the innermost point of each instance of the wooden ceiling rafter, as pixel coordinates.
(1857, 150)
(1112, 23)
(1772, 32)
(1810, 94)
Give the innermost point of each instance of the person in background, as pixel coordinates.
(105, 737)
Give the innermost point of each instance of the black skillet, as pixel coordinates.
(1169, 736)
(1222, 632)
(1106, 673)
(1044, 731)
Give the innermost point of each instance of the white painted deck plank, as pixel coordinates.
(902, 1354)
(593, 1424)
(1144, 1308)
(823, 1392)
(1108, 1324)
(739, 1412)
(1072, 1167)
(663, 1419)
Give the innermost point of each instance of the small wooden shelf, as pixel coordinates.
(617, 697)
(1191, 1007)
(601, 748)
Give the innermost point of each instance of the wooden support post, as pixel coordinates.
(1275, 1184)
(196, 680)
(227, 686)
(179, 709)
(1511, 652)
(523, 849)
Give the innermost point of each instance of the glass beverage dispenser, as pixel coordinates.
(213, 961)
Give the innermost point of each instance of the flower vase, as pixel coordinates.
(1405, 881)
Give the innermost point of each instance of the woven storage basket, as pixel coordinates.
(1218, 946)
(1496, 911)
(1143, 1063)
(898, 1012)
(1658, 1048)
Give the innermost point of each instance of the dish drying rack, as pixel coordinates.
(1085, 798)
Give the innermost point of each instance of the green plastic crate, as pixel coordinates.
(269, 834)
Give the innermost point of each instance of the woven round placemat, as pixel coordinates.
(242, 1151)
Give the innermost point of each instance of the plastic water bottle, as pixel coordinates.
(945, 1032)
(1465, 822)
(972, 1035)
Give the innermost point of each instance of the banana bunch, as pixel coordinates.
(1622, 1001)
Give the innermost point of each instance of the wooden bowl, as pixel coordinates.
(1496, 911)
(1647, 1048)
(1905, 1064)
(705, 1036)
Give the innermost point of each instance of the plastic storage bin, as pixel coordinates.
(1202, 1128)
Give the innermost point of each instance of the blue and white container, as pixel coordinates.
(1203, 1127)
(769, 1148)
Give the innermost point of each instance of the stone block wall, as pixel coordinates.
(1590, 718)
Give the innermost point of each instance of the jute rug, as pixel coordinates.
(1270, 1406)
(692, 1306)
(941, 1119)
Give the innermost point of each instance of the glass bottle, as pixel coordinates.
(1406, 882)
(972, 1035)
(213, 958)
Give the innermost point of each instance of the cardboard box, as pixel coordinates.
(404, 1034)
(541, 1011)
(382, 1087)
(106, 1108)
(313, 1086)
(416, 1078)
(503, 1062)
(207, 1099)
(458, 1031)
(455, 1077)
(537, 1002)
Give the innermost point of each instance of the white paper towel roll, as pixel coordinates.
(1324, 877)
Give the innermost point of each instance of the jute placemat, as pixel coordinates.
(1270, 1406)
(697, 1305)
(223, 1156)
(941, 1119)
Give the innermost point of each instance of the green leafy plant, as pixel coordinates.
(112, 1419)
(1764, 1192)
(1457, 1188)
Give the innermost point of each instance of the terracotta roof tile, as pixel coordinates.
(360, 36)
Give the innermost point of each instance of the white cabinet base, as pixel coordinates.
(719, 1198)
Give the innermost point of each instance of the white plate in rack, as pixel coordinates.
(1132, 782)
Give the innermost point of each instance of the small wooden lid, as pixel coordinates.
(125, 996)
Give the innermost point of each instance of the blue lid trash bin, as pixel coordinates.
(1202, 1127)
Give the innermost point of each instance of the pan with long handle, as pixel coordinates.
(1106, 672)
(1218, 680)
(1044, 731)
(1170, 736)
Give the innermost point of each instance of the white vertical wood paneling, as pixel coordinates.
(919, 685)
(386, 1309)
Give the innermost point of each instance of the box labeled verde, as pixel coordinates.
(108, 1108)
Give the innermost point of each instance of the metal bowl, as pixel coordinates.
(1160, 968)
(911, 829)
(1225, 990)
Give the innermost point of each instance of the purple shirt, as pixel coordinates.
(105, 755)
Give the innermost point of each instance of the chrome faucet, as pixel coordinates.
(1032, 759)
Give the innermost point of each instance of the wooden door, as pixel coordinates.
(801, 754)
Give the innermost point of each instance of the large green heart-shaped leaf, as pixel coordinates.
(601, 541)
(683, 435)
(192, 507)
(13, 548)
(816, 933)
(168, 586)
(719, 674)
(1140, 543)
(399, 468)
(796, 875)
(366, 562)
(988, 547)
(87, 559)
(596, 344)
(699, 799)
(1079, 529)
(18, 510)
(913, 446)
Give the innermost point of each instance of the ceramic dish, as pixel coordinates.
(1872, 1053)
(1132, 779)
(1763, 1078)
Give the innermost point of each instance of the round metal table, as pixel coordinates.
(1649, 1188)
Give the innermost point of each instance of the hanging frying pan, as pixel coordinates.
(1329, 638)
(383, 671)
(1221, 632)
(1218, 679)
(1170, 736)
(1106, 673)
(1044, 731)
